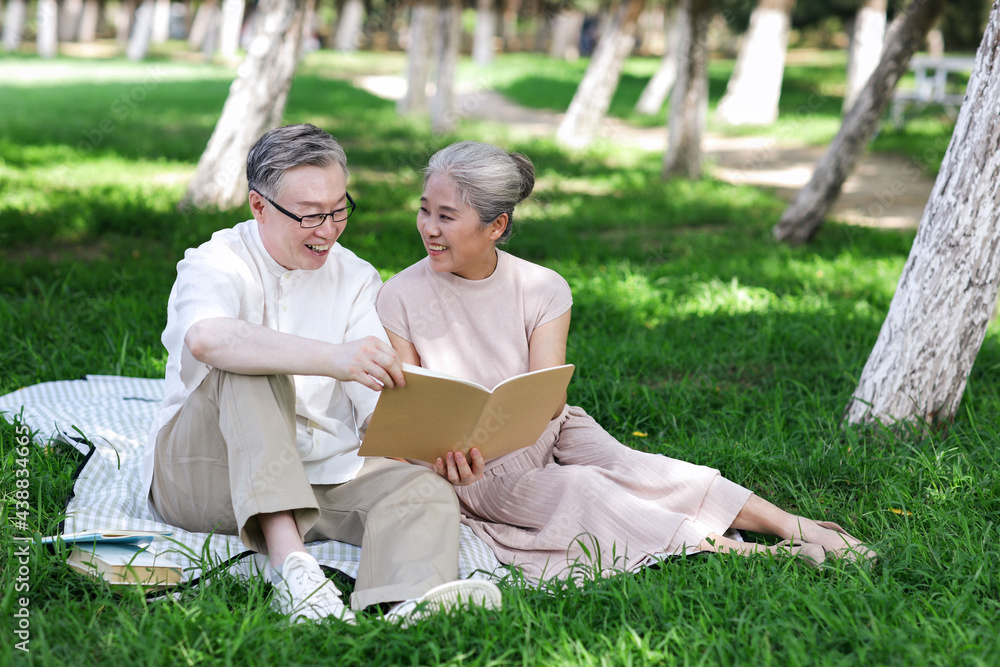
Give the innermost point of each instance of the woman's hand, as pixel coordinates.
(459, 470)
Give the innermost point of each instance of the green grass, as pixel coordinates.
(691, 326)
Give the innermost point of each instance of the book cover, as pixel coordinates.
(139, 538)
(436, 413)
(124, 564)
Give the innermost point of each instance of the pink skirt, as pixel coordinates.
(578, 503)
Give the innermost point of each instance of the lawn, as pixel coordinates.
(695, 335)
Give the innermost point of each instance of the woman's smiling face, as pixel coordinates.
(455, 239)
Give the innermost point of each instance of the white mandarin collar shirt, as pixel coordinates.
(232, 275)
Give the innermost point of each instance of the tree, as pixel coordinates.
(486, 30)
(449, 35)
(423, 22)
(755, 86)
(13, 24)
(142, 32)
(947, 292)
(658, 89)
(566, 34)
(866, 47)
(255, 105)
(47, 39)
(689, 106)
(349, 27)
(231, 28)
(804, 216)
(593, 96)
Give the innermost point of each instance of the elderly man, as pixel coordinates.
(275, 360)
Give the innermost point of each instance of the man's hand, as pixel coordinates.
(369, 361)
(459, 471)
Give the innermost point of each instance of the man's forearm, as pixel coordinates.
(238, 346)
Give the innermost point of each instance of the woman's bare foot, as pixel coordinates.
(837, 541)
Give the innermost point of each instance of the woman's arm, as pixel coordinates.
(547, 346)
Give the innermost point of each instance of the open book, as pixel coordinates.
(434, 414)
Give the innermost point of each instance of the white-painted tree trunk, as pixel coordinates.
(47, 25)
(593, 96)
(69, 19)
(689, 105)
(423, 22)
(658, 89)
(123, 21)
(13, 24)
(161, 22)
(866, 48)
(352, 18)
(231, 20)
(89, 20)
(205, 19)
(449, 35)
(255, 104)
(138, 43)
(566, 34)
(755, 86)
(948, 289)
(807, 211)
(486, 30)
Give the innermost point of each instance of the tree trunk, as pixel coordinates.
(948, 289)
(486, 30)
(866, 47)
(566, 35)
(509, 25)
(352, 17)
(449, 34)
(658, 89)
(47, 38)
(593, 96)
(69, 20)
(123, 21)
(161, 22)
(89, 20)
(13, 24)
(804, 216)
(138, 43)
(205, 20)
(755, 86)
(423, 23)
(689, 106)
(231, 19)
(255, 104)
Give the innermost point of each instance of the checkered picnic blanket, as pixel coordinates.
(108, 419)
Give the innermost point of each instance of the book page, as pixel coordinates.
(432, 416)
(519, 410)
(424, 419)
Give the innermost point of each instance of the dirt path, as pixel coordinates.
(883, 191)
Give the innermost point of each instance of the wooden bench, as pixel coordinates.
(932, 85)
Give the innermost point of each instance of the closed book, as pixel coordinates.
(124, 564)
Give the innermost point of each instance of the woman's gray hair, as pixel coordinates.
(286, 147)
(489, 180)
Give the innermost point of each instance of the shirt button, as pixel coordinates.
(285, 308)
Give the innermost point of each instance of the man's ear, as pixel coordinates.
(257, 204)
(499, 226)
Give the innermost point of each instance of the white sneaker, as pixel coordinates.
(303, 592)
(461, 592)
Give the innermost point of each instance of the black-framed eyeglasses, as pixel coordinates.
(317, 219)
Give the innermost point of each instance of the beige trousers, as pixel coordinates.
(229, 454)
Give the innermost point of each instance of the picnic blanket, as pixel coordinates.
(108, 418)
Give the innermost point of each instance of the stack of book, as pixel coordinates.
(121, 558)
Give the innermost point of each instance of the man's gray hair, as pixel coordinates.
(489, 179)
(286, 147)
